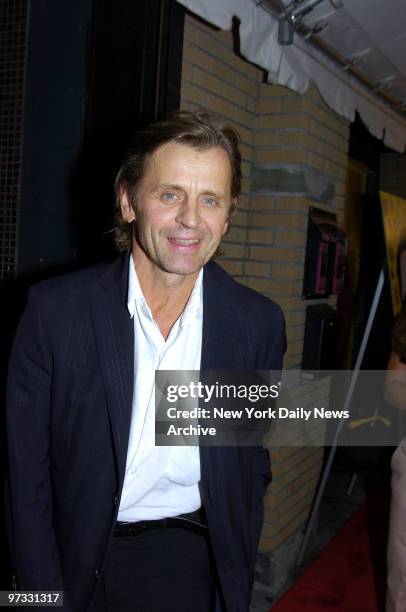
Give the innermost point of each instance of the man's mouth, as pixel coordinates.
(185, 246)
(185, 241)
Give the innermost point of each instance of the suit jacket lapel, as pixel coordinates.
(223, 335)
(223, 345)
(114, 332)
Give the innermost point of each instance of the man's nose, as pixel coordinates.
(188, 214)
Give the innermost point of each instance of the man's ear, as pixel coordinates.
(127, 211)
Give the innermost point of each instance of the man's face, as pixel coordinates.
(182, 209)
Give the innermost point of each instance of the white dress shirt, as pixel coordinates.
(160, 481)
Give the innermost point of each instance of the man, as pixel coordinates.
(97, 510)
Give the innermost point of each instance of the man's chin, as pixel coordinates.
(183, 268)
(184, 265)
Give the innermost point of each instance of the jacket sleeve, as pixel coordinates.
(270, 357)
(32, 538)
(273, 342)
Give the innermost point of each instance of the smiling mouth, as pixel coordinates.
(184, 242)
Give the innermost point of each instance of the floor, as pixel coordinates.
(342, 496)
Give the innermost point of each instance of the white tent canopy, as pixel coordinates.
(295, 65)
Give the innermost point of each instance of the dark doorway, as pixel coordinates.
(134, 77)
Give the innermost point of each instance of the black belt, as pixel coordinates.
(191, 521)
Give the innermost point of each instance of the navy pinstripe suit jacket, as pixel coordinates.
(69, 406)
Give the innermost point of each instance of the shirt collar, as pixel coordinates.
(193, 307)
(134, 288)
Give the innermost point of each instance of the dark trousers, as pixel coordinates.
(157, 571)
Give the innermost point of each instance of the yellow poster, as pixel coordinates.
(394, 223)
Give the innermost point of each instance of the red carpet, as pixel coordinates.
(349, 575)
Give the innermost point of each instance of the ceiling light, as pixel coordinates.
(294, 15)
(285, 32)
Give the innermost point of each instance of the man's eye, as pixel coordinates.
(209, 201)
(169, 196)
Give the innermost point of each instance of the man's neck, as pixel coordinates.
(165, 293)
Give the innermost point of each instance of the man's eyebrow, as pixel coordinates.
(216, 194)
(161, 186)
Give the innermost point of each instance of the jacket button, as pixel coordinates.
(115, 499)
(96, 573)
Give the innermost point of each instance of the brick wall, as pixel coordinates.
(215, 78)
(294, 151)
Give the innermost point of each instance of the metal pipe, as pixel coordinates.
(273, 7)
(296, 14)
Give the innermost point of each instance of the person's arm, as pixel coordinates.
(32, 538)
(395, 382)
(271, 358)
